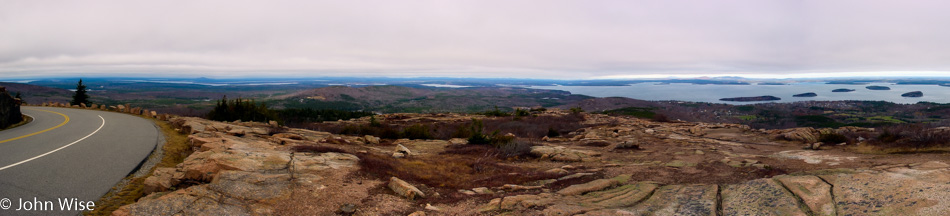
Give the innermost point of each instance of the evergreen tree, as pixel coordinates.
(80, 96)
(241, 109)
(20, 98)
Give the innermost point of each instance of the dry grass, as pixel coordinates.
(176, 149)
(880, 150)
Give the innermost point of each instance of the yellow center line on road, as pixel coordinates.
(42, 131)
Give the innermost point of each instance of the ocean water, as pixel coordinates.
(712, 93)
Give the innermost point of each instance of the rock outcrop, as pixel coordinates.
(9, 109)
(677, 168)
(916, 189)
(247, 175)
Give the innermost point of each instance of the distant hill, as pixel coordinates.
(34, 94)
(389, 99)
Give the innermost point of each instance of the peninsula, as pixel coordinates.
(751, 99)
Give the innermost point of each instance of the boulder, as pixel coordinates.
(401, 149)
(313, 163)
(405, 189)
(9, 110)
(629, 144)
(558, 171)
(162, 179)
(560, 153)
(371, 140)
(804, 135)
(203, 166)
(522, 202)
(482, 190)
(348, 209)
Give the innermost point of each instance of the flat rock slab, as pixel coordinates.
(679, 200)
(594, 185)
(813, 191)
(759, 197)
(623, 196)
(890, 193)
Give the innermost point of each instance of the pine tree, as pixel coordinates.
(80, 96)
(18, 97)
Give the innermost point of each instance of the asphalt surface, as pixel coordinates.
(67, 154)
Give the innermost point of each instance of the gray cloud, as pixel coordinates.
(484, 38)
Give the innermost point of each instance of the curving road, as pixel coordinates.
(69, 153)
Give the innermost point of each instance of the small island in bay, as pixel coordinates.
(842, 90)
(878, 88)
(913, 94)
(771, 83)
(809, 94)
(751, 99)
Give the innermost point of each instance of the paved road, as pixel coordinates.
(69, 154)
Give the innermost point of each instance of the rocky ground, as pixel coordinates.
(615, 166)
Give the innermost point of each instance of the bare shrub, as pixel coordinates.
(911, 136)
(516, 149)
(660, 118)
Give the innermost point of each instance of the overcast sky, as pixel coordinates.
(479, 38)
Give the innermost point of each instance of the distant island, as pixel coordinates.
(878, 88)
(772, 83)
(913, 94)
(842, 90)
(750, 99)
(809, 94)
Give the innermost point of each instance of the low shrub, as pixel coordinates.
(553, 133)
(496, 113)
(911, 136)
(516, 149)
(576, 110)
(522, 112)
(833, 138)
(417, 131)
(660, 118)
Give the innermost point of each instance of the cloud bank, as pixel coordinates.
(485, 38)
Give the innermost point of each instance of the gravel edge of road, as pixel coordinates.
(143, 169)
